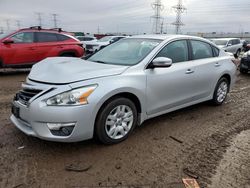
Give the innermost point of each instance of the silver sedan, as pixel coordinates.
(111, 92)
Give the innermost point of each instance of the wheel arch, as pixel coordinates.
(129, 95)
(228, 77)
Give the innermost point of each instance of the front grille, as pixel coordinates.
(26, 94)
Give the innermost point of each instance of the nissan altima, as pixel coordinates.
(111, 92)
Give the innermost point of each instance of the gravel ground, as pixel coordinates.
(213, 145)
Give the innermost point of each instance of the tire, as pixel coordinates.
(67, 55)
(221, 91)
(115, 121)
(243, 71)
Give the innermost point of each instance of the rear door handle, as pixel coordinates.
(217, 64)
(189, 71)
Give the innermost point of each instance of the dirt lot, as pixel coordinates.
(215, 148)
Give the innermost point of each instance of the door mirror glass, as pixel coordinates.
(161, 62)
(8, 41)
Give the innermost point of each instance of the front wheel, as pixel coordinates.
(221, 91)
(115, 121)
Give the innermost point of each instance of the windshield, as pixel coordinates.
(105, 39)
(125, 52)
(220, 42)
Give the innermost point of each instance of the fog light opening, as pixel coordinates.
(61, 129)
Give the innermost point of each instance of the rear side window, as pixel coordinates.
(62, 37)
(201, 50)
(46, 37)
(177, 51)
(24, 37)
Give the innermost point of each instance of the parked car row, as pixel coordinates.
(119, 87)
(25, 47)
(95, 45)
(232, 45)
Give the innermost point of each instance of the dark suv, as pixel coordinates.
(25, 47)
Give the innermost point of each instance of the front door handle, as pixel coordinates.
(217, 64)
(189, 71)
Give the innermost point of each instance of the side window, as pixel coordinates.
(46, 37)
(25, 37)
(230, 42)
(62, 37)
(201, 50)
(236, 41)
(177, 51)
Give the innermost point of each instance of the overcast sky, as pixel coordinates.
(131, 16)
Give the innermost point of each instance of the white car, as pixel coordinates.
(103, 42)
(86, 40)
(232, 45)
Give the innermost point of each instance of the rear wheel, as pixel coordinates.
(115, 121)
(221, 91)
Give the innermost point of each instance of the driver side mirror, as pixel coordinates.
(8, 41)
(229, 44)
(161, 62)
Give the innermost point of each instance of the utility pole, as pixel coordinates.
(161, 27)
(39, 18)
(1, 30)
(158, 8)
(55, 20)
(98, 30)
(7, 24)
(179, 9)
(18, 24)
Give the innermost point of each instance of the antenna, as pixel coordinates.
(179, 9)
(158, 8)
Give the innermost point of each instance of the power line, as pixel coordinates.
(158, 8)
(55, 20)
(179, 9)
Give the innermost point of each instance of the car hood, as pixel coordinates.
(63, 70)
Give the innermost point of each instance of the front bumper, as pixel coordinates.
(33, 119)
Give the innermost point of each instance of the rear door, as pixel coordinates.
(48, 45)
(22, 51)
(207, 67)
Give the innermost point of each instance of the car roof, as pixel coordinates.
(225, 39)
(167, 37)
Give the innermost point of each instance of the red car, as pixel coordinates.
(28, 46)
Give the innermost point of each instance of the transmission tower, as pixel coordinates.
(18, 24)
(179, 9)
(55, 20)
(39, 18)
(158, 8)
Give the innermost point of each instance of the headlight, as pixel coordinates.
(77, 96)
